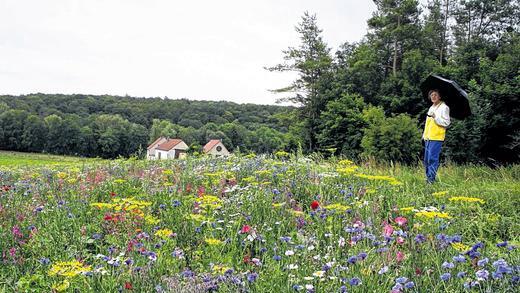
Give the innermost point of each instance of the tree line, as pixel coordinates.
(359, 100)
(111, 126)
(363, 99)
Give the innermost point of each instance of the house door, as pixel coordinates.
(178, 153)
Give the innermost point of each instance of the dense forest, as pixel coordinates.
(360, 100)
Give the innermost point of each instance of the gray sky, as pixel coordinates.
(211, 50)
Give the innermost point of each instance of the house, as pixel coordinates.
(166, 148)
(216, 148)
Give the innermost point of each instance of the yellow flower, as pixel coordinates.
(62, 175)
(466, 199)
(336, 206)
(459, 246)
(168, 172)
(431, 215)
(102, 205)
(281, 154)
(439, 193)
(388, 179)
(212, 241)
(277, 205)
(151, 220)
(220, 269)
(68, 268)
(407, 209)
(345, 162)
(164, 233)
(119, 181)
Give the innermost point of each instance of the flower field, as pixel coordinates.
(258, 224)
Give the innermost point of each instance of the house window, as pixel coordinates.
(159, 155)
(219, 148)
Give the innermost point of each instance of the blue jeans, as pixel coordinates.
(432, 150)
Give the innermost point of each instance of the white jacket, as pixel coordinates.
(442, 114)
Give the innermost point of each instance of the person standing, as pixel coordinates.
(437, 122)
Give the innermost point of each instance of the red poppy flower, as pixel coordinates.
(128, 286)
(112, 194)
(108, 217)
(315, 204)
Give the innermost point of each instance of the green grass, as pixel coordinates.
(18, 159)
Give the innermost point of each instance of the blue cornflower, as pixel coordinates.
(445, 276)
(461, 274)
(496, 275)
(252, 277)
(448, 265)
(129, 262)
(285, 238)
(44, 261)
(420, 238)
(176, 203)
(162, 206)
(362, 255)
(401, 280)
(409, 285)
(383, 270)
(352, 259)
(277, 257)
(483, 262)
(397, 287)
(482, 275)
(499, 262)
(355, 281)
(502, 244)
(343, 289)
(459, 258)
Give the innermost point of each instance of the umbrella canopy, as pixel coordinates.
(451, 93)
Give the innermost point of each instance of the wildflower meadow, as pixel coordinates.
(246, 223)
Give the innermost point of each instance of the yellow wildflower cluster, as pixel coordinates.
(348, 170)
(212, 241)
(336, 206)
(277, 205)
(68, 269)
(62, 175)
(220, 269)
(210, 202)
(123, 204)
(119, 181)
(388, 179)
(407, 209)
(466, 199)
(432, 215)
(459, 246)
(164, 233)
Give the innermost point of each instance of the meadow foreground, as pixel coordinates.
(262, 224)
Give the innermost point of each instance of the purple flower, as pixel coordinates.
(277, 257)
(352, 259)
(496, 275)
(355, 281)
(448, 265)
(499, 263)
(176, 203)
(445, 276)
(129, 262)
(362, 255)
(252, 277)
(420, 238)
(343, 289)
(409, 285)
(383, 270)
(502, 244)
(483, 262)
(461, 274)
(482, 275)
(188, 274)
(401, 280)
(397, 287)
(44, 261)
(459, 258)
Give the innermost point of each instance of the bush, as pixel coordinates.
(390, 138)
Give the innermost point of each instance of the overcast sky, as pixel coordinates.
(205, 50)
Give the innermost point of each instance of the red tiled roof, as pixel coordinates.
(153, 143)
(166, 146)
(211, 144)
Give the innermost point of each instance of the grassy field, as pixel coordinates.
(17, 159)
(258, 224)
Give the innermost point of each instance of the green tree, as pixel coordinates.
(312, 62)
(12, 123)
(34, 134)
(342, 125)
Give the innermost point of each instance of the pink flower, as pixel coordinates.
(245, 229)
(400, 240)
(401, 221)
(400, 256)
(388, 230)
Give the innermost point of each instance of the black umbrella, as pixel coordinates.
(451, 93)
